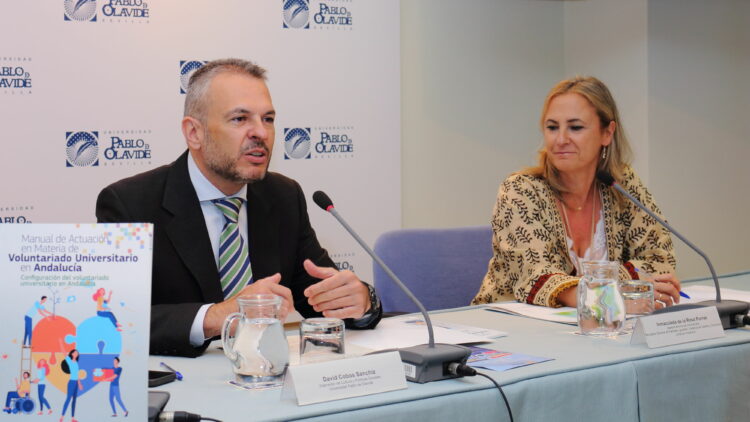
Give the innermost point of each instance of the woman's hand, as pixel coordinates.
(666, 290)
(568, 297)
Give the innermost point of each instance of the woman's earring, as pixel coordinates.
(604, 153)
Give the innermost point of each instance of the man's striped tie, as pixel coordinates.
(234, 258)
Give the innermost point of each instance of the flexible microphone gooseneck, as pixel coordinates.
(423, 363)
(324, 202)
(729, 310)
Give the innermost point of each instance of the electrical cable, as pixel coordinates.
(741, 320)
(507, 405)
(464, 370)
(181, 416)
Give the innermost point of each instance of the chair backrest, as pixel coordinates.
(442, 267)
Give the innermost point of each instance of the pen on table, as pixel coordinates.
(177, 373)
(648, 276)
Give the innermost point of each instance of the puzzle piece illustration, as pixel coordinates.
(97, 340)
(93, 331)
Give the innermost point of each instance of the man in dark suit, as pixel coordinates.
(228, 125)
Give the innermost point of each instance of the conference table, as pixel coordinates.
(588, 379)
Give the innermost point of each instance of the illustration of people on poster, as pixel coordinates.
(76, 301)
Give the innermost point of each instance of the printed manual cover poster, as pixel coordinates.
(75, 321)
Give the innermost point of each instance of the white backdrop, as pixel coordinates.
(112, 70)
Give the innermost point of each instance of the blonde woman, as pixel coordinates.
(550, 218)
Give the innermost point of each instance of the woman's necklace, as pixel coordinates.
(565, 204)
(577, 262)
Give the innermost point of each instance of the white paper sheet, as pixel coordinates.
(566, 315)
(409, 331)
(701, 293)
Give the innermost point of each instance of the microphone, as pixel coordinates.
(731, 312)
(422, 363)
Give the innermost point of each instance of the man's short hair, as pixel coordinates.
(195, 98)
(43, 297)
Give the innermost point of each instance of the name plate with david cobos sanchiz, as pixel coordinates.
(344, 378)
(678, 327)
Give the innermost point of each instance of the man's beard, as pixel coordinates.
(225, 166)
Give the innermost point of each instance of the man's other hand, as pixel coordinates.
(339, 294)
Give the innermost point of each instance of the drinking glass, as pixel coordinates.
(638, 296)
(321, 339)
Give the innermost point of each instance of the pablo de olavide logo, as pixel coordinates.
(319, 142)
(297, 143)
(318, 14)
(187, 68)
(118, 147)
(15, 214)
(297, 14)
(82, 149)
(111, 10)
(15, 77)
(126, 146)
(80, 10)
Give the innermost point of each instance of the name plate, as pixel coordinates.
(678, 327)
(344, 378)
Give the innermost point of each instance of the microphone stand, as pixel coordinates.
(422, 363)
(731, 312)
(401, 285)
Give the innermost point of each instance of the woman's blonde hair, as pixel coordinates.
(598, 95)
